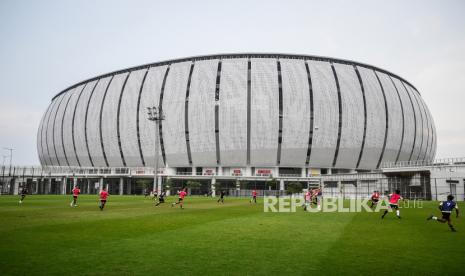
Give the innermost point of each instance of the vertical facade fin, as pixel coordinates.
(280, 104)
(339, 100)
(310, 135)
(85, 123)
(137, 117)
(53, 134)
(100, 121)
(427, 124)
(249, 107)
(46, 132)
(403, 119)
(217, 120)
(62, 137)
(387, 121)
(364, 116)
(160, 108)
(118, 119)
(186, 114)
(414, 121)
(72, 127)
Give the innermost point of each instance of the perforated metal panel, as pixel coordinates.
(434, 145)
(58, 127)
(51, 131)
(128, 119)
(431, 133)
(45, 155)
(201, 113)
(233, 112)
(296, 113)
(352, 116)
(79, 125)
(39, 137)
(93, 123)
(409, 122)
(376, 119)
(264, 112)
(395, 124)
(150, 97)
(326, 112)
(68, 125)
(174, 136)
(424, 126)
(109, 121)
(419, 124)
(49, 135)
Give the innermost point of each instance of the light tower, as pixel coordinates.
(156, 115)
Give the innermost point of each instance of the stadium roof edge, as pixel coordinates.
(235, 55)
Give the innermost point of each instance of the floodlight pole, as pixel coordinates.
(156, 116)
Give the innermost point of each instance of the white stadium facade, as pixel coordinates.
(240, 122)
(238, 112)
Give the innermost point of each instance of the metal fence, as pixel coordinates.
(422, 187)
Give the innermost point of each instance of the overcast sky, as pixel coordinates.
(46, 46)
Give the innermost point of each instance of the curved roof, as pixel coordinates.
(231, 56)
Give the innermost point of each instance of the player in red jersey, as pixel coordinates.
(394, 203)
(374, 198)
(182, 194)
(307, 199)
(76, 191)
(254, 196)
(103, 198)
(315, 192)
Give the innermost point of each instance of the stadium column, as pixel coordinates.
(121, 185)
(100, 186)
(63, 185)
(128, 187)
(75, 181)
(281, 185)
(15, 185)
(160, 184)
(302, 172)
(213, 187)
(49, 185)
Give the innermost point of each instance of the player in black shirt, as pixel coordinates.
(23, 194)
(161, 198)
(446, 208)
(221, 199)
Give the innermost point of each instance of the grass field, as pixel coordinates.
(45, 236)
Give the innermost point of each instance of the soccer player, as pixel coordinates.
(254, 196)
(23, 194)
(315, 192)
(161, 198)
(374, 198)
(76, 191)
(308, 199)
(146, 193)
(221, 199)
(103, 198)
(182, 194)
(446, 208)
(394, 203)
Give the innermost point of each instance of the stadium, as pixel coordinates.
(249, 127)
(240, 114)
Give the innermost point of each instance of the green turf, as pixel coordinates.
(46, 236)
